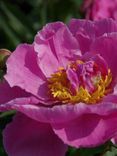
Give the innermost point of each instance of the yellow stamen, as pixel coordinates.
(60, 89)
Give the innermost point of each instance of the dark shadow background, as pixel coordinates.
(21, 19)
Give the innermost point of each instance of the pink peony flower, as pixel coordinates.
(64, 89)
(99, 9)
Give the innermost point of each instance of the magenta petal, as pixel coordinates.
(47, 61)
(87, 31)
(62, 113)
(25, 72)
(48, 31)
(92, 28)
(44, 47)
(84, 32)
(105, 26)
(27, 137)
(11, 105)
(89, 130)
(100, 9)
(73, 78)
(55, 45)
(66, 46)
(7, 93)
(80, 26)
(106, 46)
(114, 139)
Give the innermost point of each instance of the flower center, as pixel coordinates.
(86, 82)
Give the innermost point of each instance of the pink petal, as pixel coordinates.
(66, 46)
(84, 32)
(55, 45)
(7, 93)
(101, 9)
(81, 26)
(68, 120)
(87, 31)
(23, 71)
(47, 58)
(106, 46)
(61, 113)
(114, 139)
(10, 105)
(89, 130)
(105, 26)
(48, 31)
(27, 137)
(92, 29)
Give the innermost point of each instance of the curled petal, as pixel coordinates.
(61, 113)
(87, 31)
(55, 41)
(106, 47)
(25, 72)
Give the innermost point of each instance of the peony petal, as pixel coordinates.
(66, 46)
(106, 46)
(47, 61)
(10, 105)
(61, 113)
(92, 28)
(105, 26)
(100, 9)
(81, 26)
(25, 72)
(87, 31)
(55, 41)
(45, 50)
(7, 93)
(114, 139)
(84, 32)
(89, 130)
(27, 137)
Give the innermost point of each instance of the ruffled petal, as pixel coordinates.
(23, 71)
(61, 113)
(66, 46)
(27, 137)
(55, 45)
(83, 31)
(87, 31)
(106, 46)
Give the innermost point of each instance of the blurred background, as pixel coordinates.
(21, 19)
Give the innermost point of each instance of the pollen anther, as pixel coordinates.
(61, 90)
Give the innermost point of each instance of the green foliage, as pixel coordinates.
(21, 19)
(108, 149)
